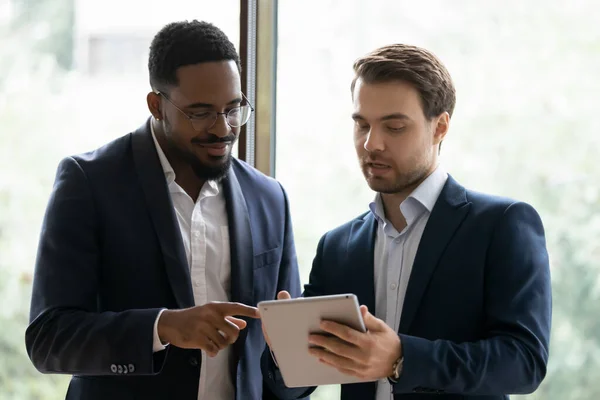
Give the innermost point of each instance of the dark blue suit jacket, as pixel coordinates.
(477, 311)
(111, 256)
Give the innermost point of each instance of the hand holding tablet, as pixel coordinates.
(288, 324)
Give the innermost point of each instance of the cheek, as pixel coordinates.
(359, 142)
(181, 133)
(404, 150)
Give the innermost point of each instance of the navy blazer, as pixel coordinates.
(111, 256)
(477, 310)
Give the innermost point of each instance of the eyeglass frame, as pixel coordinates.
(226, 114)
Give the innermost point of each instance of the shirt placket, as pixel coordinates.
(198, 272)
(395, 261)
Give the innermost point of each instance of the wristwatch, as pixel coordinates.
(396, 370)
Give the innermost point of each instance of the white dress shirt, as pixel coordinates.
(395, 253)
(205, 235)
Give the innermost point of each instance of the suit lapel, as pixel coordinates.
(448, 213)
(242, 260)
(362, 280)
(361, 277)
(242, 256)
(163, 217)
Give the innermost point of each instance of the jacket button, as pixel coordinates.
(193, 361)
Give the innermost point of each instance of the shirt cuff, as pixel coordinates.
(157, 344)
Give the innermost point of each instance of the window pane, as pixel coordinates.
(73, 76)
(527, 88)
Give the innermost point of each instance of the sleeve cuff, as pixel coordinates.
(157, 345)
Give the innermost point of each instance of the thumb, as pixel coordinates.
(283, 295)
(371, 322)
(241, 324)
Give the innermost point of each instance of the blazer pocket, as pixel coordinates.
(267, 258)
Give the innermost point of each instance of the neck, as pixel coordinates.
(391, 202)
(391, 207)
(189, 182)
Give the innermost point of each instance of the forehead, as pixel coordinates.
(372, 100)
(209, 82)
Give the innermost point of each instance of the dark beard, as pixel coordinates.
(201, 170)
(211, 172)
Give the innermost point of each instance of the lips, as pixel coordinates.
(377, 168)
(219, 145)
(216, 149)
(377, 165)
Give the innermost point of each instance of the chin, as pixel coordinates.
(213, 167)
(378, 184)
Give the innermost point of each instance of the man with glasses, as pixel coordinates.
(156, 247)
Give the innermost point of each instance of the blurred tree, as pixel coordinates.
(37, 49)
(48, 26)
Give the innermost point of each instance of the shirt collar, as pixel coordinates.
(429, 190)
(211, 187)
(421, 199)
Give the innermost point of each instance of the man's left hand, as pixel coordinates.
(368, 356)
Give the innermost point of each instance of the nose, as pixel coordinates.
(220, 128)
(374, 141)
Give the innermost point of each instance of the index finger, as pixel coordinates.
(239, 309)
(343, 332)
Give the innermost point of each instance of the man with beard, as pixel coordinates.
(156, 247)
(454, 284)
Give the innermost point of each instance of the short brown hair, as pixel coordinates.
(417, 66)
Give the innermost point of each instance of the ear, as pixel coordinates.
(154, 105)
(441, 127)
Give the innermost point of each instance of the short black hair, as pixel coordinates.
(186, 43)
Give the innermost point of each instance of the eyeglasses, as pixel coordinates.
(203, 120)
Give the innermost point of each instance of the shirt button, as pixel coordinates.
(197, 235)
(393, 286)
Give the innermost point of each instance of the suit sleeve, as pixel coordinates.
(289, 279)
(512, 357)
(66, 333)
(316, 278)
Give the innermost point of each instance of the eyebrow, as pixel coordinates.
(208, 105)
(357, 116)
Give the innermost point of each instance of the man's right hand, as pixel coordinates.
(210, 327)
(283, 295)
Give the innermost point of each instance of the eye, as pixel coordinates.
(203, 115)
(361, 126)
(396, 129)
(234, 112)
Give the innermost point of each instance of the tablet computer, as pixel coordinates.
(288, 324)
